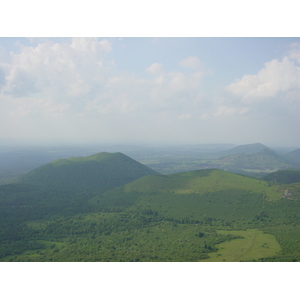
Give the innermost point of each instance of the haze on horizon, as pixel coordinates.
(150, 90)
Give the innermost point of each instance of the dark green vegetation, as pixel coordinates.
(108, 207)
(98, 172)
(284, 176)
(17, 161)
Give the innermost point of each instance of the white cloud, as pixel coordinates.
(294, 52)
(91, 45)
(74, 76)
(155, 68)
(56, 73)
(52, 63)
(75, 84)
(106, 45)
(185, 116)
(191, 62)
(159, 80)
(204, 116)
(28, 107)
(222, 110)
(243, 111)
(72, 88)
(277, 76)
(4, 56)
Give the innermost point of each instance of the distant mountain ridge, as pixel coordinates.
(265, 159)
(293, 156)
(247, 149)
(99, 172)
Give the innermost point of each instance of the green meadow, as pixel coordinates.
(199, 182)
(253, 246)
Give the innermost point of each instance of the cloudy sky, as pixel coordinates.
(150, 90)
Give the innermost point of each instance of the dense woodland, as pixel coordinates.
(108, 207)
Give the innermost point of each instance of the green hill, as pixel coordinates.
(283, 176)
(98, 172)
(192, 216)
(213, 193)
(108, 207)
(200, 181)
(264, 160)
(293, 156)
(246, 149)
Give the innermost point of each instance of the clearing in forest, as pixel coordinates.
(253, 246)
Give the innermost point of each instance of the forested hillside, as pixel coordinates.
(100, 172)
(108, 207)
(284, 176)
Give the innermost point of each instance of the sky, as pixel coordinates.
(135, 90)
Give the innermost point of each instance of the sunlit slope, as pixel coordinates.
(254, 245)
(202, 181)
(100, 172)
(197, 194)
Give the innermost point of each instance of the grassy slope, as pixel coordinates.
(199, 182)
(254, 245)
(204, 193)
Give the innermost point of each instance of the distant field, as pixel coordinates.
(253, 246)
